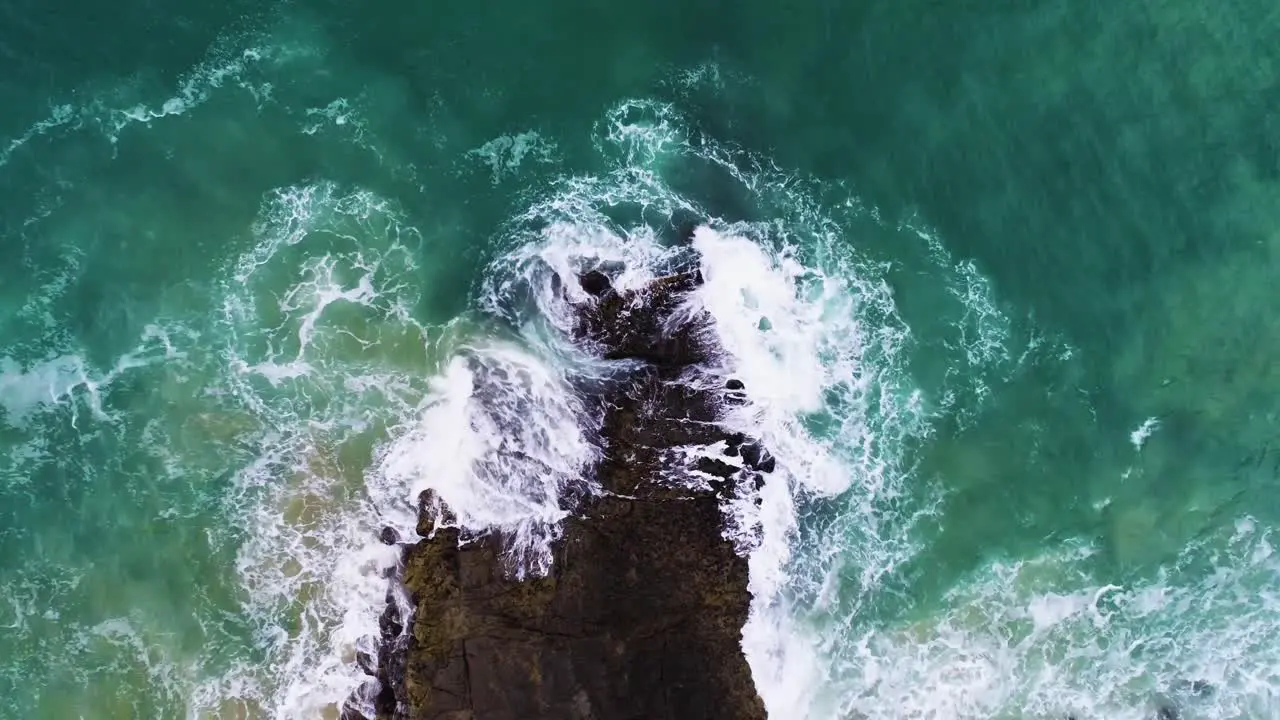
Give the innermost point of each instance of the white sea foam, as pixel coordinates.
(492, 425)
(228, 63)
(1138, 437)
(492, 428)
(316, 578)
(706, 75)
(322, 352)
(1040, 637)
(327, 282)
(535, 285)
(641, 134)
(827, 398)
(1015, 645)
(23, 391)
(26, 389)
(338, 113)
(59, 116)
(501, 438)
(503, 155)
(348, 119)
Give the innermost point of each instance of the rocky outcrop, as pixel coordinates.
(643, 324)
(642, 613)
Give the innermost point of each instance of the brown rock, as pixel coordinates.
(641, 616)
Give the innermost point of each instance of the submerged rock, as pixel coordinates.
(641, 615)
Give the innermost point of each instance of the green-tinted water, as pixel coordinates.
(1018, 375)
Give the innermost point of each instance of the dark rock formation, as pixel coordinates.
(596, 283)
(641, 618)
(757, 458)
(642, 614)
(639, 324)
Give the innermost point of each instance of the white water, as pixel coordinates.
(311, 564)
(500, 439)
(822, 371)
(1037, 637)
(1139, 437)
(488, 425)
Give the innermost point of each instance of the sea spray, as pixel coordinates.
(503, 441)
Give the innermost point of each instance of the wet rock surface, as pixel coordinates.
(642, 613)
(644, 324)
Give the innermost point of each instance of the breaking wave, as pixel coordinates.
(501, 440)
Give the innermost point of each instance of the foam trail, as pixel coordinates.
(30, 389)
(59, 115)
(503, 155)
(223, 65)
(24, 391)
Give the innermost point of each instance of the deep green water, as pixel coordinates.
(962, 253)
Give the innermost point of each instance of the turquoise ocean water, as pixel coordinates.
(999, 278)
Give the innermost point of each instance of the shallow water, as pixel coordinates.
(997, 278)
